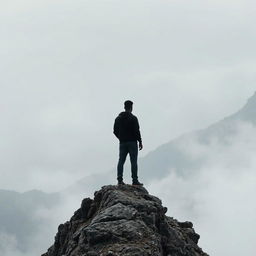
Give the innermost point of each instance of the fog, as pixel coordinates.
(68, 66)
(47, 220)
(219, 197)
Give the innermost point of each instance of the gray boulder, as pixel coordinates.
(124, 221)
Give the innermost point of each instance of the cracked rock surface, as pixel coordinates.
(124, 221)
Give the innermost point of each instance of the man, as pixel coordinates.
(127, 130)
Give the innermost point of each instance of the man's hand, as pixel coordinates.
(140, 146)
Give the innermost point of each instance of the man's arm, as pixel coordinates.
(116, 128)
(137, 132)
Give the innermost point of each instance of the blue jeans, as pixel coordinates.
(130, 147)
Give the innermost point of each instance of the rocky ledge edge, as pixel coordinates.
(124, 221)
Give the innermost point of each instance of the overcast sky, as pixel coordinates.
(68, 66)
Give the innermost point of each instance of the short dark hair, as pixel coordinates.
(128, 104)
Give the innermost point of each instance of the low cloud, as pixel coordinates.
(218, 197)
(45, 220)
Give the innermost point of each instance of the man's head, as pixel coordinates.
(128, 105)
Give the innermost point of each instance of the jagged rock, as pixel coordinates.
(124, 221)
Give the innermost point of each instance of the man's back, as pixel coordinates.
(126, 127)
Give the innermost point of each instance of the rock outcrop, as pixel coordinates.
(124, 220)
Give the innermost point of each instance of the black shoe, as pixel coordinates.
(137, 183)
(120, 183)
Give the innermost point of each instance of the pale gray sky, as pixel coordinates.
(67, 66)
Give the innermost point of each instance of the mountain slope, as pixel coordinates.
(19, 218)
(173, 155)
(124, 220)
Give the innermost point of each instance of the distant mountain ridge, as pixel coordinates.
(171, 156)
(248, 112)
(18, 214)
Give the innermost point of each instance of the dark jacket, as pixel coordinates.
(126, 127)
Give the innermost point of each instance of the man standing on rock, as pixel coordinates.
(127, 130)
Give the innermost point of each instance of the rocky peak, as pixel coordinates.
(124, 220)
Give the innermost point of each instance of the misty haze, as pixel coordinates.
(67, 68)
